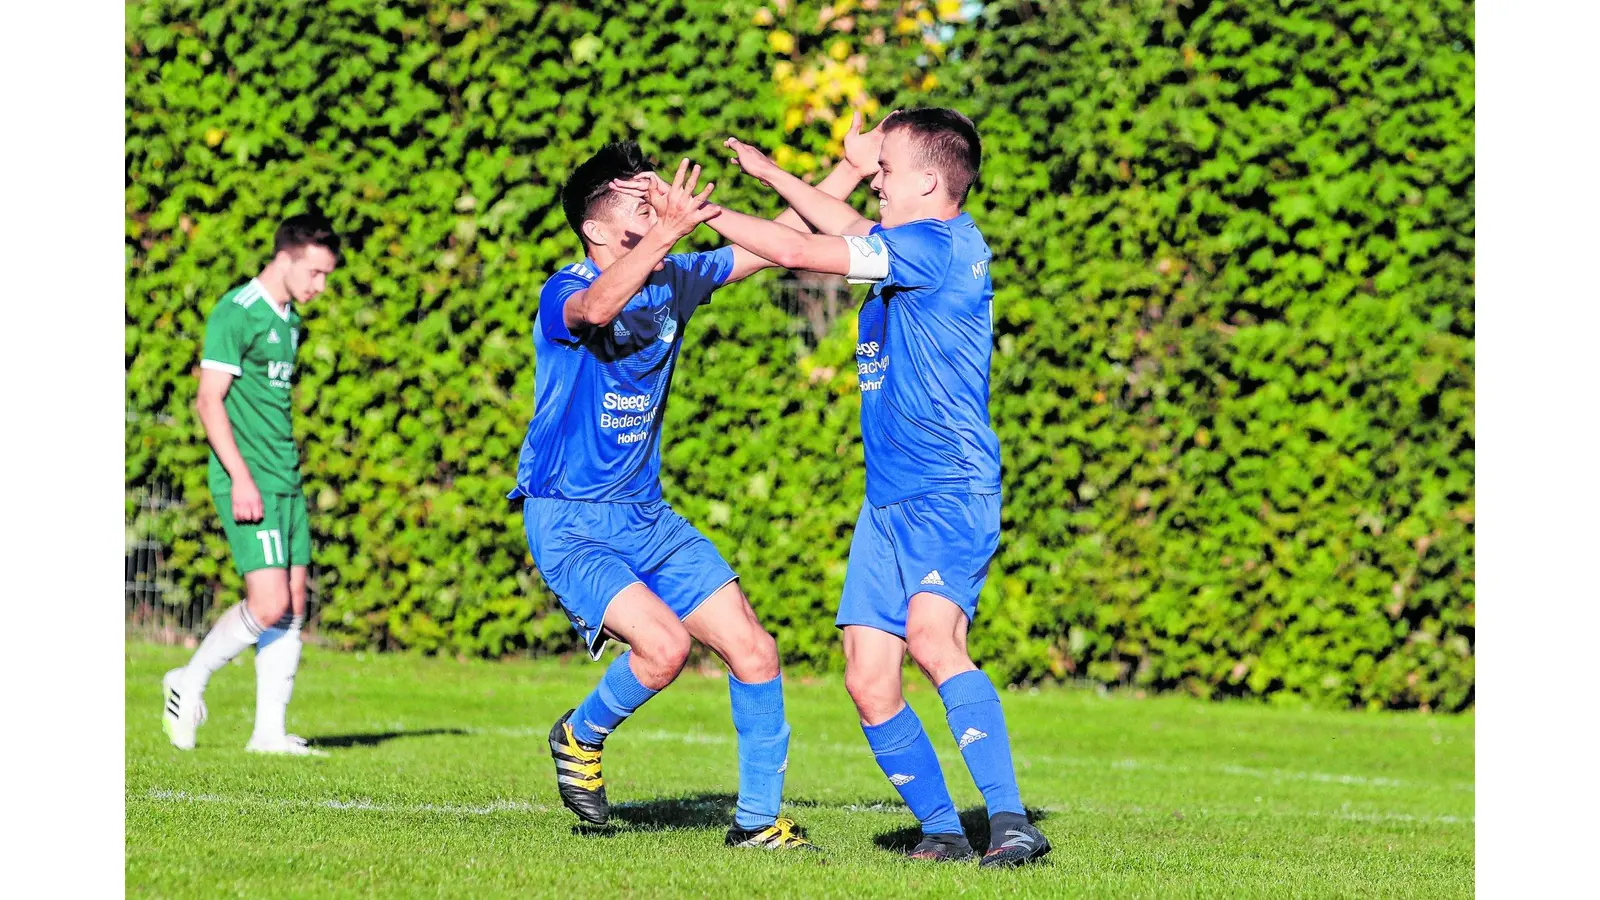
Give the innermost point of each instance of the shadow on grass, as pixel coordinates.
(705, 812)
(974, 821)
(376, 738)
(692, 811)
(708, 811)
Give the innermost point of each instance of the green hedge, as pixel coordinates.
(1234, 267)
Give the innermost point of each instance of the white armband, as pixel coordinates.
(869, 259)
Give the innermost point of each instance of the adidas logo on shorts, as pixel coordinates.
(971, 735)
(898, 780)
(933, 578)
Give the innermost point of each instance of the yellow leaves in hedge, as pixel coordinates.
(585, 49)
(822, 90)
(785, 156)
(214, 136)
(824, 85)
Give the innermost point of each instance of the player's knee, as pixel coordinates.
(269, 608)
(662, 657)
(875, 694)
(753, 658)
(936, 652)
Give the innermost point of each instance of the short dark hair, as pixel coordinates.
(945, 140)
(306, 230)
(590, 184)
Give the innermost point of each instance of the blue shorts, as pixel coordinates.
(589, 552)
(936, 543)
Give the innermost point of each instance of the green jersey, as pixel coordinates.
(253, 341)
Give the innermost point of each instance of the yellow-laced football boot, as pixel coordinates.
(578, 778)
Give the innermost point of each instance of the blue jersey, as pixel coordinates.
(599, 392)
(925, 419)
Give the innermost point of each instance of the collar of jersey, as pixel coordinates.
(964, 219)
(282, 313)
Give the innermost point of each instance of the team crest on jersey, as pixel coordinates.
(669, 330)
(272, 337)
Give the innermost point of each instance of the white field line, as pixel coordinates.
(175, 797)
(1271, 775)
(484, 809)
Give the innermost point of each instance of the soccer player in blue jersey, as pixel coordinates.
(931, 521)
(622, 562)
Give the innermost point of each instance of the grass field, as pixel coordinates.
(439, 783)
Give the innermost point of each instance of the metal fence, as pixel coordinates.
(156, 609)
(813, 303)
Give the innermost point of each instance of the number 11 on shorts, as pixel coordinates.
(270, 539)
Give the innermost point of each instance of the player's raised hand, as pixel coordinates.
(861, 150)
(755, 163)
(683, 209)
(247, 502)
(646, 186)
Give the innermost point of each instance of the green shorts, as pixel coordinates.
(281, 539)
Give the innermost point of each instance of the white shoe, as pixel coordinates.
(283, 745)
(184, 710)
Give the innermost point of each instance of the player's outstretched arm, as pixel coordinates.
(682, 211)
(839, 183)
(826, 214)
(822, 206)
(856, 257)
(214, 384)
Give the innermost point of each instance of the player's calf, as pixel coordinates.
(726, 624)
(183, 689)
(898, 741)
(577, 737)
(659, 647)
(937, 640)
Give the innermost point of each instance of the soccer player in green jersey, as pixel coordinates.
(246, 383)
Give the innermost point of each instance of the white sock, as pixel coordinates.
(277, 658)
(236, 630)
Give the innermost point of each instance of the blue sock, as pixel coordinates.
(763, 749)
(615, 698)
(973, 710)
(906, 755)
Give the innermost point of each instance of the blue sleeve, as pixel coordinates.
(919, 253)
(696, 275)
(553, 305)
